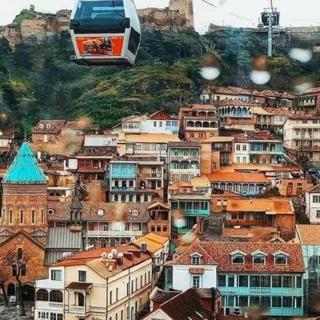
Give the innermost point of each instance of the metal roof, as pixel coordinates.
(24, 168)
(63, 238)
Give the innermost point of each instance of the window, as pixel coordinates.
(222, 280)
(42, 295)
(259, 259)
(318, 214)
(79, 299)
(10, 216)
(276, 302)
(288, 282)
(287, 302)
(21, 216)
(110, 297)
(243, 281)
(299, 282)
(237, 259)
(56, 296)
(42, 216)
(195, 259)
(195, 281)
(315, 199)
(276, 281)
(154, 123)
(255, 281)
(82, 276)
(230, 281)
(117, 294)
(243, 301)
(265, 281)
(265, 302)
(33, 216)
(280, 259)
(56, 275)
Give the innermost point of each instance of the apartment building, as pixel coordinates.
(277, 213)
(309, 101)
(247, 274)
(312, 204)
(183, 160)
(302, 134)
(108, 283)
(246, 184)
(158, 122)
(198, 122)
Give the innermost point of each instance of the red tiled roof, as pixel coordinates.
(262, 135)
(188, 305)
(221, 251)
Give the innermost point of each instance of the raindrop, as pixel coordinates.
(303, 87)
(260, 77)
(302, 55)
(209, 73)
(179, 222)
(188, 237)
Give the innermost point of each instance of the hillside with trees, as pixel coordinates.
(38, 81)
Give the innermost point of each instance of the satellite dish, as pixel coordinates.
(133, 239)
(110, 255)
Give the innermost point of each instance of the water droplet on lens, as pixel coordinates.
(260, 77)
(302, 55)
(303, 87)
(209, 73)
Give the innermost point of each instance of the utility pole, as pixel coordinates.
(270, 33)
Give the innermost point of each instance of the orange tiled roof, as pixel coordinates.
(271, 206)
(308, 234)
(237, 177)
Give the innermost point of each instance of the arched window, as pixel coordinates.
(23, 270)
(10, 216)
(21, 216)
(56, 296)
(80, 299)
(19, 254)
(42, 295)
(33, 216)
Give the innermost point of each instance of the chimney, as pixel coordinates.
(119, 261)
(128, 255)
(213, 303)
(137, 253)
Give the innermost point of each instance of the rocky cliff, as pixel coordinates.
(30, 24)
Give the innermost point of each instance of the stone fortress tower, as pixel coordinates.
(183, 7)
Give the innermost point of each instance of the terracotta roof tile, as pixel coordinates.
(237, 177)
(270, 206)
(221, 251)
(308, 234)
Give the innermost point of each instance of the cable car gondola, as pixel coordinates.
(105, 32)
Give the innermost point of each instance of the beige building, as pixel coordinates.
(302, 133)
(106, 283)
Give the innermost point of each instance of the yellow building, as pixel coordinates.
(105, 283)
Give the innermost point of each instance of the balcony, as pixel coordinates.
(182, 230)
(278, 152)
(285, 312)
(296, 292)
(91, 169)
(123, 189)
(78, 311)
(56, 306)
(114, 233)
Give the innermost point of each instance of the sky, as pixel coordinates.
(240, 13)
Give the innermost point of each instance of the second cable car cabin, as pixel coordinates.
(105, 32)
